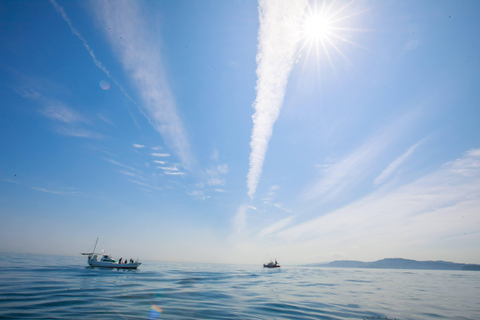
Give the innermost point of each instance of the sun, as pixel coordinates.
(316, 27)
(323, 27)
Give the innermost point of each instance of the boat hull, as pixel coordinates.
(267, 266)
(114, 265)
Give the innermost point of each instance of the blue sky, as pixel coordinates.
(239, 131)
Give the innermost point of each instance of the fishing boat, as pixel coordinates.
(271, 264)
(106, 261)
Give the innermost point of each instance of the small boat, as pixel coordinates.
(271, 264)
(106, 261)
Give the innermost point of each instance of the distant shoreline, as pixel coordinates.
(399, 263)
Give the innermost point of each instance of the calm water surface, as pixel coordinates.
(55, 287)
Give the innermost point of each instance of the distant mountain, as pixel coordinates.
(398, 263)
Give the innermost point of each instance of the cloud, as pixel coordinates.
(240, 219)
(130, 174)
(353, 168)
(78, 132)
(271, 194)
(275, 227)
(68, 121)
(198, 195)
(59, 112)
(122, 165)
(159, 162)
(161, 154)
(277, 47)
(439, 209)
(139, 146)
(90, 51)
(174, 173)
(60, 192)
(168, 168)
(392, 167)
(139, 52)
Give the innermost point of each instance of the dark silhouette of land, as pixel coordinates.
(398, 263)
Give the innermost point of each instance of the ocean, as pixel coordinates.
(59, 287)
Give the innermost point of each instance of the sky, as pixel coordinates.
(241, 131)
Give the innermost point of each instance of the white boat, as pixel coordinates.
(271, 264)
(106, 261)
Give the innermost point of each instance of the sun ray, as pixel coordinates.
(322, 30)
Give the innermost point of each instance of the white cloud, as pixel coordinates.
(168, 168)
(354, 167)
(392, 167)
(159, 161)
(215, 174)
(275, 227)
(68, 121)
(139, 146)
(78, 132)
(139, 52)
(277, 47)
(130, 174)
(161, 154)
(122, 165)
(173, 173)
(97, 62)
(60, 192)
(198, 195)
(240, 219)
(440, 209)
(60, 112)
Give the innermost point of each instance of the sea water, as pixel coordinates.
(57, 287)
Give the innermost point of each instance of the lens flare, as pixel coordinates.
(104, 85)
(154, 312)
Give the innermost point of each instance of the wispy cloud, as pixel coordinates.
(159, 161)
(277, 47)
(90, 51)
(168, 168)
(240, 219)
(174, 173)
(138, 146)
(430, 211)
(350, 170)
(161, 155)
(57, 111)
(279, 225)
(139, 51)
(67, 120)
(60, 192)
(198, 195)
(392, 167)
(122, 165)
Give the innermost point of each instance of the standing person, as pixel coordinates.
(120, 261)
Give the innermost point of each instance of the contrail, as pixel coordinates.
(278, 37)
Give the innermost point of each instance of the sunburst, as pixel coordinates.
(323, 26)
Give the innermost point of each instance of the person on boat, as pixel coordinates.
(120, 261)
(131, 260)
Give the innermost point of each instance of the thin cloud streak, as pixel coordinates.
(279, 225)
(428, 211)
(65, 193)
(277, 47)
(140, 56)
(392, 167)
(354, 167)
(84, 42)
(161, 154)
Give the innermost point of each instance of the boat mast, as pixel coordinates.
(95, 246)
